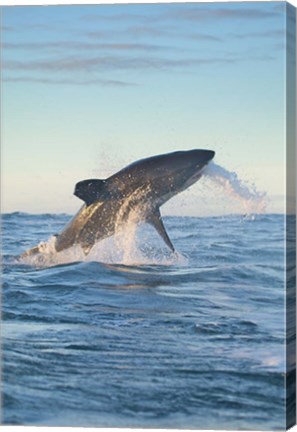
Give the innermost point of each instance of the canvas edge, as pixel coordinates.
(290, 252)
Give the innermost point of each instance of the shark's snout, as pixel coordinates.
(202, 157)
(209, 155)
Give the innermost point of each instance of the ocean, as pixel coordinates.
(136, 336)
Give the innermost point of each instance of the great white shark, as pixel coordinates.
(140, 189)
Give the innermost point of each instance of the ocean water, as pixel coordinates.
(136, 336)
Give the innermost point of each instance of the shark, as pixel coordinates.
(140, 188)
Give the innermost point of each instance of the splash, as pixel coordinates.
(127, 247)
(133, 244)
(251, 201)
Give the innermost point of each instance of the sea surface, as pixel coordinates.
(136, 336)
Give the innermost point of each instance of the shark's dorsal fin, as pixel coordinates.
(91, 190)
(154, 218)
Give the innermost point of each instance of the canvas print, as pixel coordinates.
(148, 215)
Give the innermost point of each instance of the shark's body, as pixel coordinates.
(139, 189)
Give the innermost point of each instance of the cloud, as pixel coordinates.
(84, 46)
(37, 26)
(97, 64)
(194, 13)
(120, 63)
(204, 37)
(120, 17)
(175, 32)
(172, 32)
(269, 34)
(280, 6)
(27, 26)
(134, 31)
(234, 12)
(69, 81)
(145, 30)
(5, 28)
(65, 60)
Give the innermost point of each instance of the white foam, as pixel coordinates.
(131, 246)
(248, 197)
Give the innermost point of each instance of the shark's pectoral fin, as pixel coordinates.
(156, 221)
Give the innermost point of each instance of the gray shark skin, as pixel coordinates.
(137, 191)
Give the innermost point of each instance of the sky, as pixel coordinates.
(88, 89)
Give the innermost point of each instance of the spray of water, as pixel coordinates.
(248, 197)
(128, 246)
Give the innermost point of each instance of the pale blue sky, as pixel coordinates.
(88, 89)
